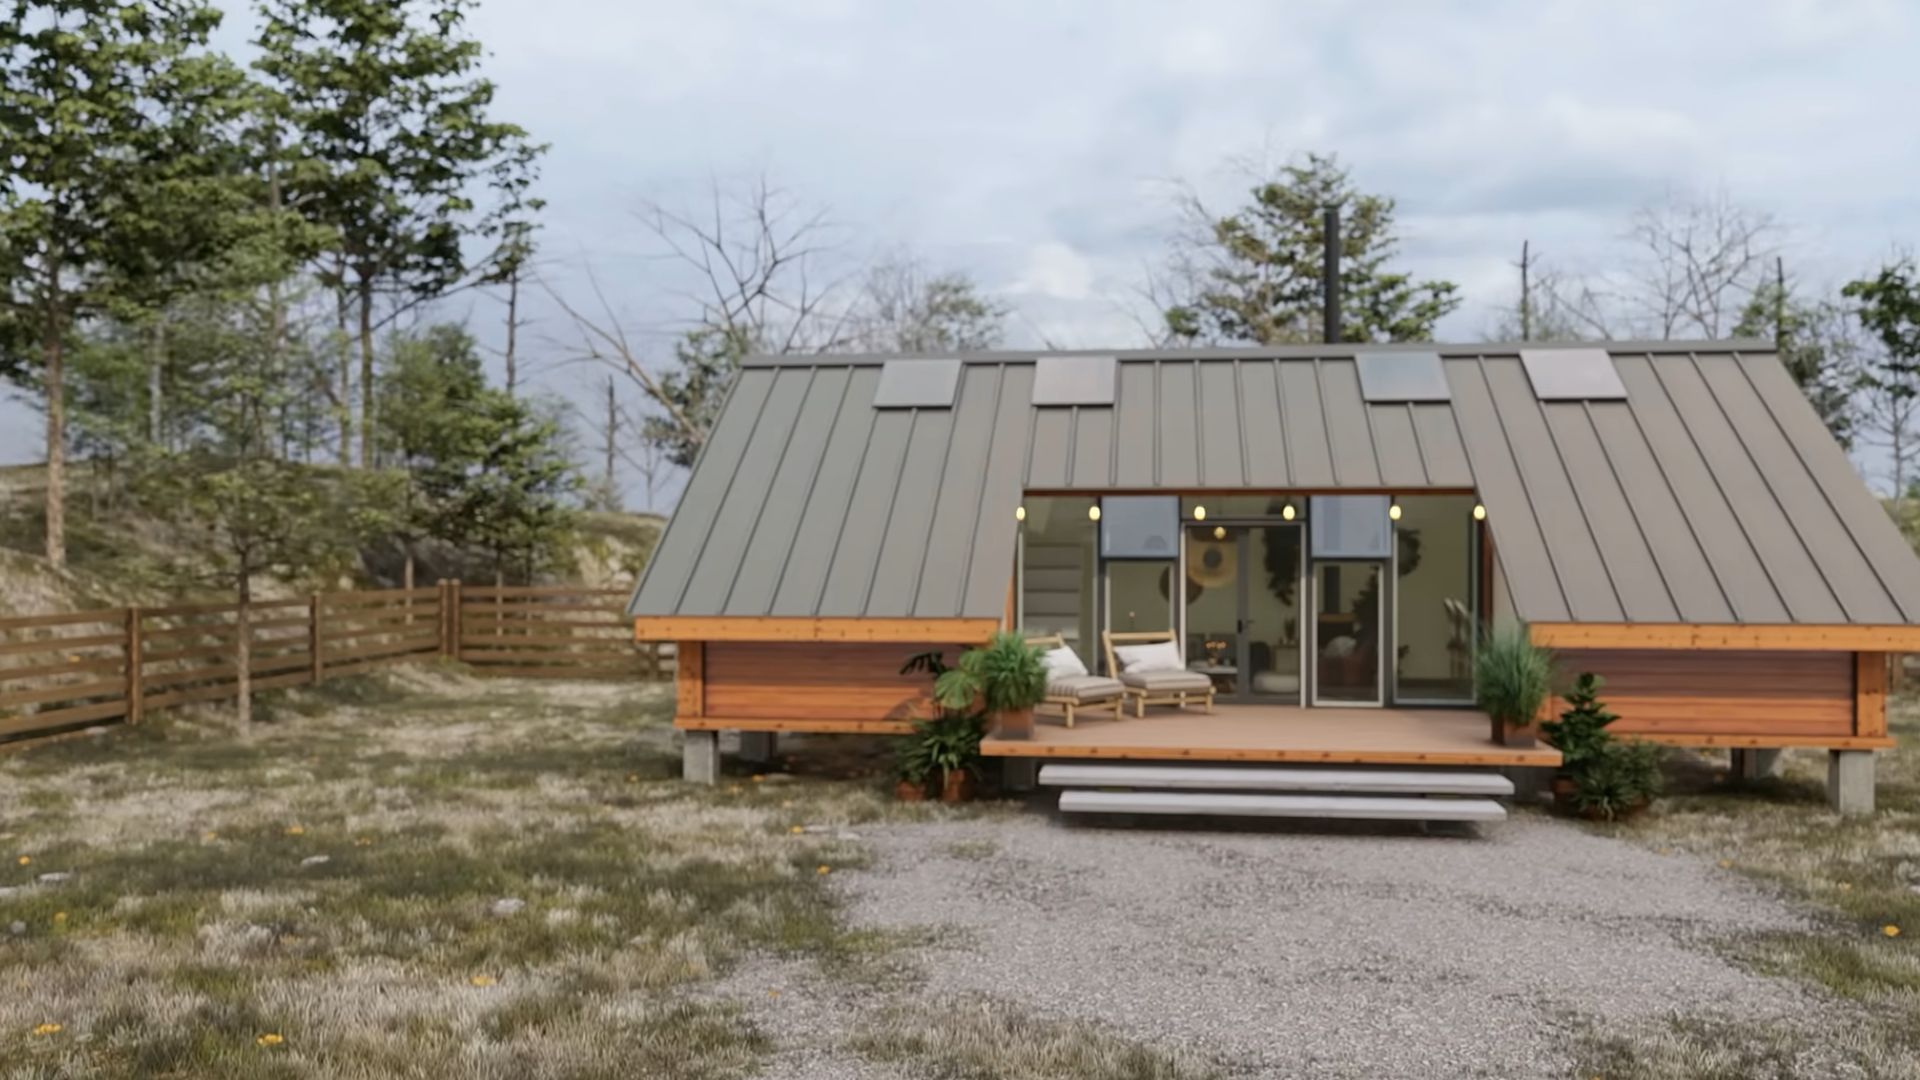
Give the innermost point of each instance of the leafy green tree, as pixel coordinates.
(1815, 343)
(516, 501)
(433, 430)
(1888, 306)
(391, 130)
(105, 109)
(1256, 274)
(692, 391)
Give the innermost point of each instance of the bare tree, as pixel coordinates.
(1554, 304)
(1702, 257)
(902, 307)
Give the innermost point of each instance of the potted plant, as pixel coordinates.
(912, 771)
(1619, 781)
(1007, 677)
(1513, 678)
(1580, 734)
(950, 748)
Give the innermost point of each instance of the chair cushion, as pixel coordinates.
(1063, 663)
(1084, 688)
(1156, 656)
(1166, 681)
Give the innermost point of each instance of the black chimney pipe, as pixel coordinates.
(1330, 274)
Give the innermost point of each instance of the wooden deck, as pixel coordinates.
(1277, 733)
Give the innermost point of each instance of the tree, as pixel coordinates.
(105, 110)
(1702, 259)
(514, 224)
(516, 501)
(1552, 305)
(1256, 274)
(1888, 306)
(433, 396)
(902, 308)
(1815, 340)
(392, 133)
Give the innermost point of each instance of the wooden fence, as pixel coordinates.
(62, 672)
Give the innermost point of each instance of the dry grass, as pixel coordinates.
(330, 876)
(986, 1039)
(1861, 877)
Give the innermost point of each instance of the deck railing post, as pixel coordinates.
(136, 685)
(316, 656)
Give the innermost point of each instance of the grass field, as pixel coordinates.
(422, 872)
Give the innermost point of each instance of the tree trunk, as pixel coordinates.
(513, 327)
(366, 373)
(156, 364)
(56, 388)
(613, 427)
(346, 369)
(243, 648)
(406, 580)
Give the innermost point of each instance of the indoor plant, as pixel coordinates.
(1006, 677)
(1513, 678)
(1620, 780)
(1580, 734)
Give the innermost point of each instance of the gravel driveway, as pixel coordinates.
(1309, 954)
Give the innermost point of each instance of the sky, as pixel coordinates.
(1037, 145)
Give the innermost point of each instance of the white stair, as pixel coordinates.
(1203, 778)
(1375, 795)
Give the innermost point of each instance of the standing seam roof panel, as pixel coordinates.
(1179, 427)
(1757, 513)
(1690, 578)
(1047, 464)
(803, 576)
(1878, 539)
(1715, 529)
(779, 522)
(909, 522)
(1396, 447)
(1517, 540)
(1630, 563)
(1219, 424)
(857, 551)
(1092, 447)
(1266, 440)
(1136, 421)
(677, 557)
(1308, 452)
(995, 533)
(949, 547)
(1354, 464)
(1805, 510)
(1440, 447)
(746, 497)
(1583, 576)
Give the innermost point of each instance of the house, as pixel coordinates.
(1323, 529)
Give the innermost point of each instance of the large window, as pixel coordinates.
(1057, 566)
(1138, 595)
(1433, 615)
(1350, 526)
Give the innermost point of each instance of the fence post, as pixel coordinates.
(440, 610)
(135, 656)
(454, 628)
(314, 655)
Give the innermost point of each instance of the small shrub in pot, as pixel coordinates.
(1513, 678)
(1007, 677)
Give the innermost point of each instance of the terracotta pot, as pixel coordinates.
(1516, 735)
(1013, 724)
(956, 787)
(909, 791)
(1565, 788)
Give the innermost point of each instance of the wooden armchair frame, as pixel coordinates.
(1068, 705)
(1140, 695)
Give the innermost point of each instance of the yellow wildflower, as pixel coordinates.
(269, 1039)
(824, 869)
(1846, 886)
(482, 980)
(209, 835)
(633, 778)
(364, 841)
(759, 779)
(1890, 930)
(296, 830)
(59, 918)
(47, 1029)
(25, 859)
(797, 830)
(1726, 864)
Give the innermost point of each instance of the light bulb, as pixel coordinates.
(1019, 513)
(1199, 513)
(1393, 512)
(1286, 512)
(1479, 512)
(1093, 513)
(1219, 532)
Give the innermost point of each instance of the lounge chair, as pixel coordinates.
(1079, 692)
(1173, 686)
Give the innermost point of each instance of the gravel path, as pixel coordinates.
(1308, 954)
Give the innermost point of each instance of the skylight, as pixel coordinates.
(1074, 380)
(1402, 376)
(917, 384)
(1573, 375)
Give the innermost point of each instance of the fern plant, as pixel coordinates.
(1006, 675)
(1581, 732)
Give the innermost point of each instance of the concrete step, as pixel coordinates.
(1223, 804)
(1350, 781)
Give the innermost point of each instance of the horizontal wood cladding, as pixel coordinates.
(1783, 636)
(815, 680)
(781, 628)
(1722, 697)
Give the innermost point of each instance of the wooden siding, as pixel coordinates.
(1757, 694)
(808, 681)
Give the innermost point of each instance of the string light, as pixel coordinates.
(1019, 513)
(1093, 512)
(1479, 512)
(1199, 513)
(1219, 532)
(1393, 512)
(1286, 512)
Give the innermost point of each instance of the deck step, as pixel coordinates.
(1326, 781)
(1357, 807)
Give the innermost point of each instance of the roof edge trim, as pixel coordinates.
(1272, 352)
(936, 631)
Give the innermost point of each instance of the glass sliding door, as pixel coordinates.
(1243, 622)
(1346, 631)
(1434, 607)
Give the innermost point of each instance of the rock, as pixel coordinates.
(505, 906)
(18, 927)
(53, 878)
(8, 890)
(316, 860)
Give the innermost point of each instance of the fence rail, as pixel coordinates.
(78, 669)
